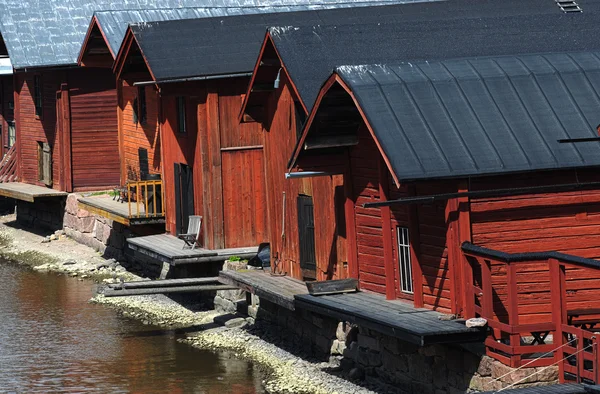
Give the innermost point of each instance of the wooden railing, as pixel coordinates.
(524, 299)
(145, 199)
(8, 166)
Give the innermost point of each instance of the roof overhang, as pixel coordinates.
(267, 69)
(335, 80)
(95, 51)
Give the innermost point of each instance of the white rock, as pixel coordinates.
(476, 322)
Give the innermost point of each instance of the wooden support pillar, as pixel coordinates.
(350, 225)
(559, 310)
(66, 180)
(17, 119)
(513, 310)
(465, 272)
(386, 226)
(415, 249)
(211, 160)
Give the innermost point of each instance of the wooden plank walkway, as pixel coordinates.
(553, 389)
(394, 318)
(118, 211)
(277, 289)
(26, 192)
(169, 249)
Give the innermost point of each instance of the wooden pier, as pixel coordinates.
(107, 207)
(27, 192)
(165, 248)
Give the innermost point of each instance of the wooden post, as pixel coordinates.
(513, 310)
(17, 120)
(464, 235)
(386, 227)
(415, 249)
(350, 225)
(487, 306)
(556, 296)
(66, 138)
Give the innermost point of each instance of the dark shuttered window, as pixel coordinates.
(141, 105)
(181, 126)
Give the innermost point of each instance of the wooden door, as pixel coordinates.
(306, 234)
(184, 196)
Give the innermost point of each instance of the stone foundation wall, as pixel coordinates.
(376, 358)
(43, 214)
(102, 234)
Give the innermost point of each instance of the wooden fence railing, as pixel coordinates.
(506, 292)
(8, 166)
(145, 199)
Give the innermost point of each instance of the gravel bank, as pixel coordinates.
(285, 372)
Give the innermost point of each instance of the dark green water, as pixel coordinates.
(53, 340)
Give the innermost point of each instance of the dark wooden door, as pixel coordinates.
(184, 196)
(306, 233)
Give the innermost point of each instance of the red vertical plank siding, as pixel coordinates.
(567, 222)
(242, 167)
(32, 130)
(386, 222)
(136, 135)
(369, 227)
(94, 134)
(177, 148)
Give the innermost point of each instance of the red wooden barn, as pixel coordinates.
(301, 58)
(467, 188)
(212, 165)
(7, 124)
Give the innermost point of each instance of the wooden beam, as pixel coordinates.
(415, 251)
(147, 284)
(331, 141)
(165, 290)
(386, 227)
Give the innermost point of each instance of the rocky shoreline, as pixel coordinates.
(285, 372)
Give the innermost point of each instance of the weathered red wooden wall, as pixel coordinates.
(93, 148)
(31, 129)
(94, 130)
(567, 222)
(135, 135)
(6, 112)
(327, 193)
(226, 159)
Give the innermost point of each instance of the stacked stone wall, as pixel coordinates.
(396, 365)
(43, 214)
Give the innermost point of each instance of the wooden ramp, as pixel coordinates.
(167, 286)
(26, 192)
(394, 318)
(118, 211)
(277, 289)
(166, 248)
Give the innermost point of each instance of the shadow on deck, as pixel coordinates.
(394, 318)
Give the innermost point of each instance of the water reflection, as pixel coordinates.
(52, 340)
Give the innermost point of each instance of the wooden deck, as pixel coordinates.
(277, 289)
(394, 318)
(169, 249)
(119, 211)
(26, 192)
(553, 389)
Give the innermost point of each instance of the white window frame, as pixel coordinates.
(404, 260)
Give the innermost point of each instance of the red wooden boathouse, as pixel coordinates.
(482, 200)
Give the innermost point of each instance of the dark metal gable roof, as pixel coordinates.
(481, 116)
(434, 31)
(227, 45)
(41, 33)
(114, 23)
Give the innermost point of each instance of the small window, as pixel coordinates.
(12, 134)
(142, 105)
(300, 116)
(181, 119)
(406, 279)
(38, 96)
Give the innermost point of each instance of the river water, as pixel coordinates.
(53, 340)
